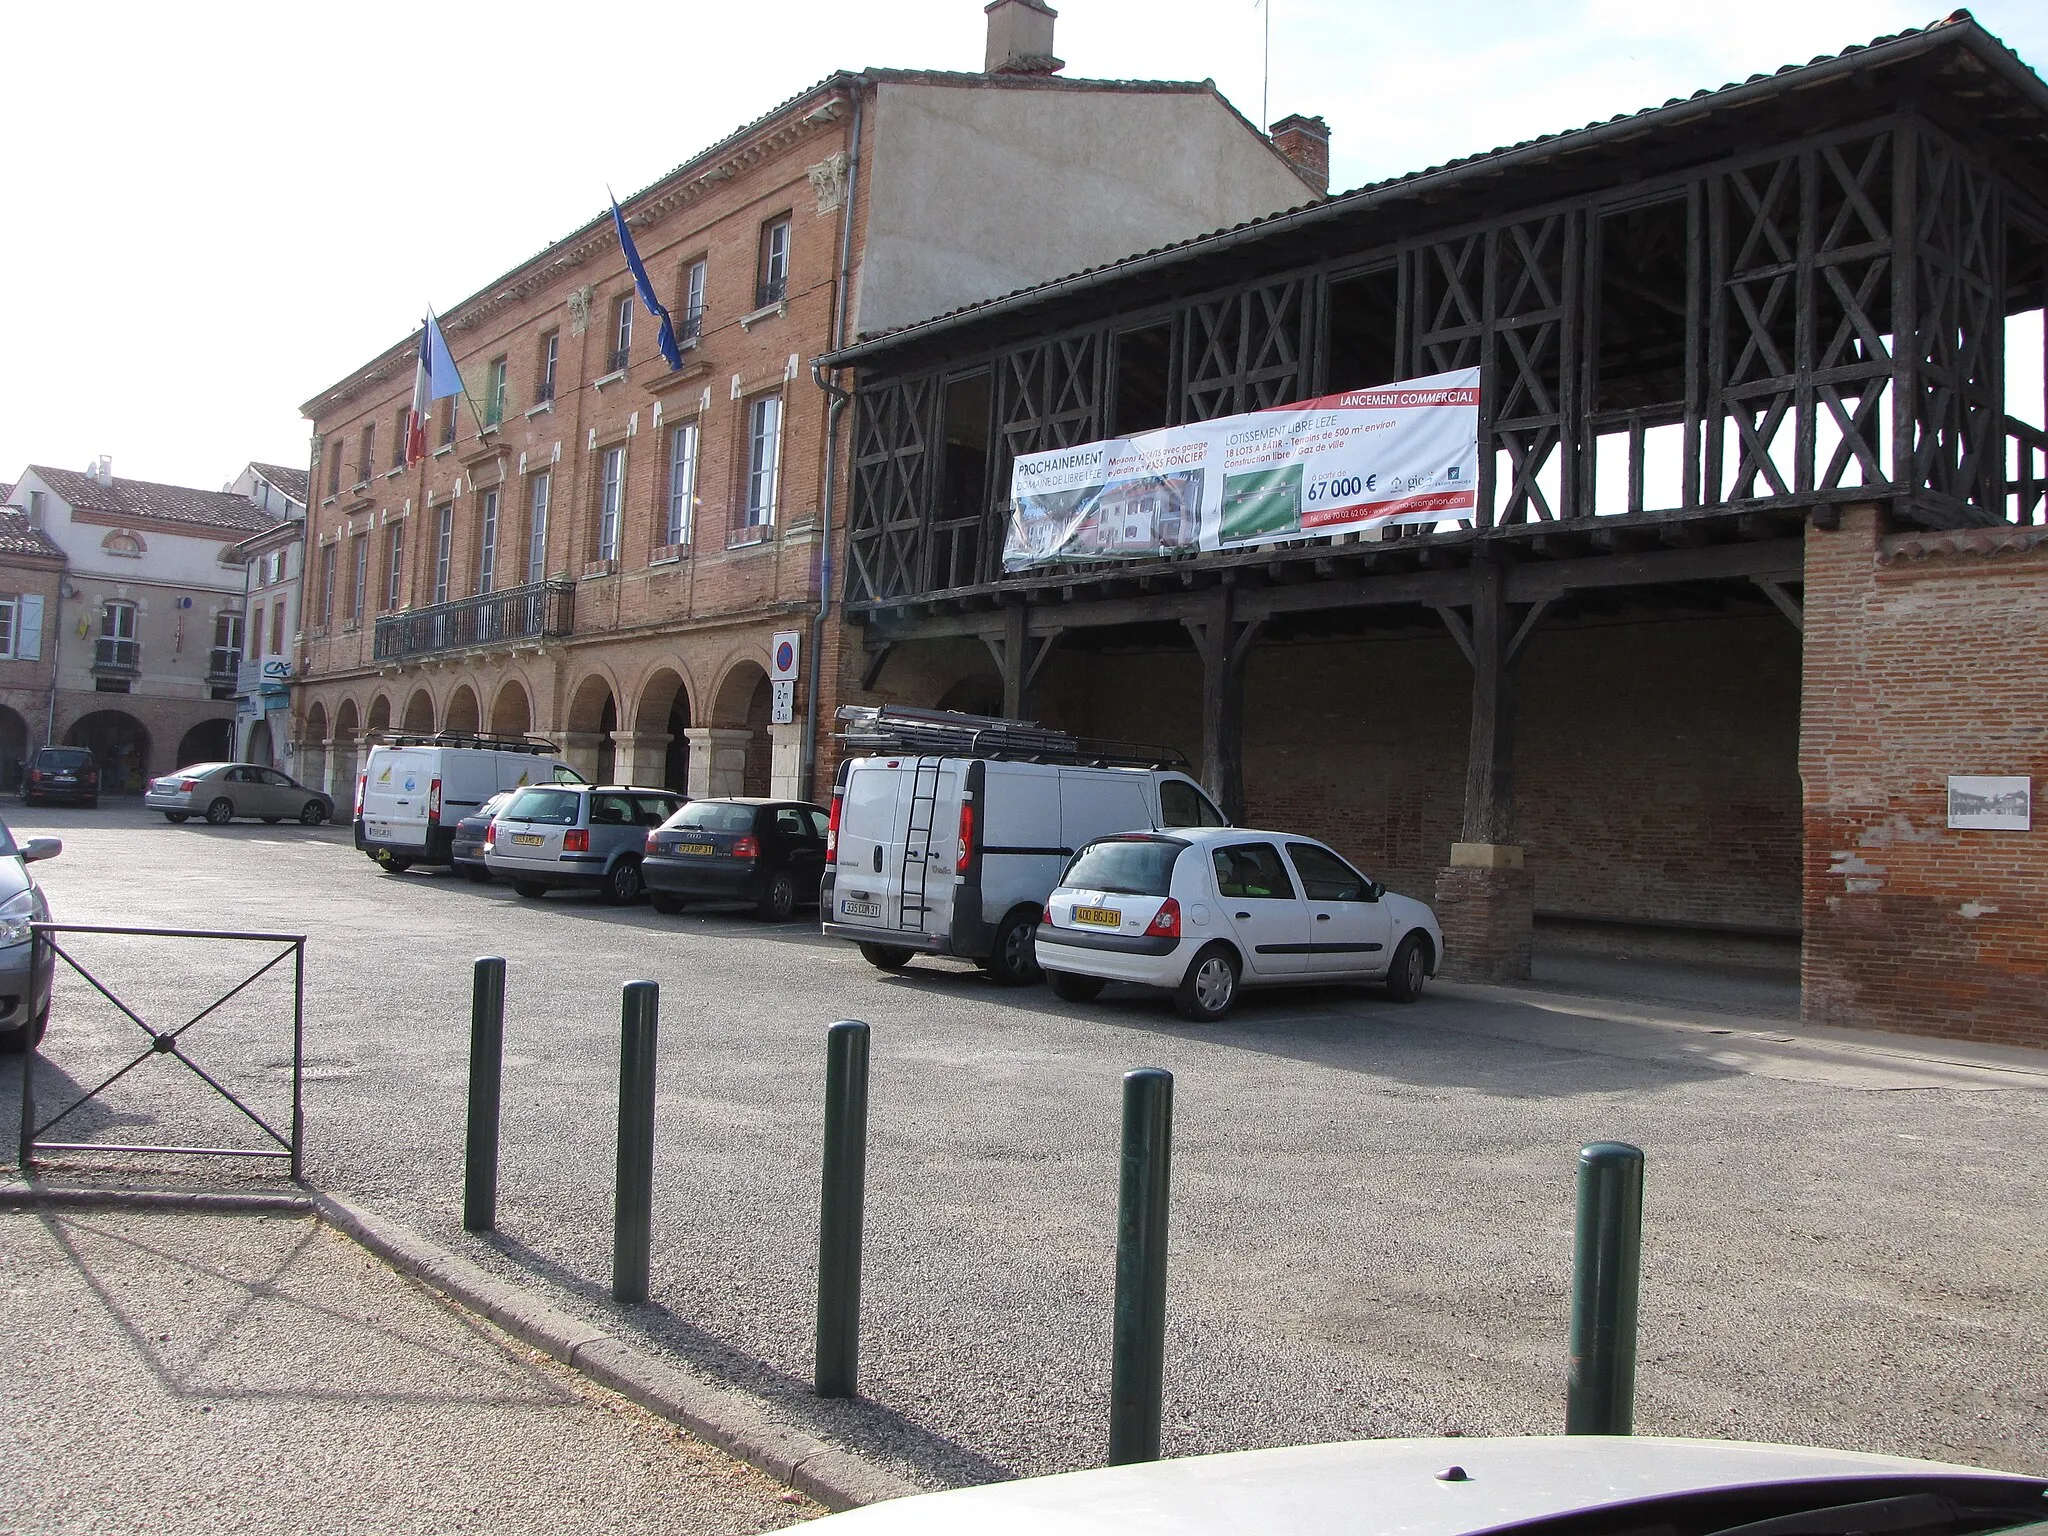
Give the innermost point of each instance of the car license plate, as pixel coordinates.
(528, 839)
(1099, 917)
(697, 848)
(854, 908)
(67, 778)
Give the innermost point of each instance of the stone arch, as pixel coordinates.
(13, 749)
(261, 749)
(210, 741)
(310, 767)
(742, 755)
(663, 710)
(463, 713)
(419, 712)
(512, 710)
(593, 717)
(342, 761)
(121, 745)
(380, 713)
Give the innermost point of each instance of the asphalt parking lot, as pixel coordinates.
(1371, 1203)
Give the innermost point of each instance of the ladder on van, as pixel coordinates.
(917, 845)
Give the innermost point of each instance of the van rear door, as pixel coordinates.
(395, 795)
(865, 890)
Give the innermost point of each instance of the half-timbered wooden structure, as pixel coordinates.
(1705, 331)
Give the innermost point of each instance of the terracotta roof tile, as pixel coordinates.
(17, 538)
(221, 510)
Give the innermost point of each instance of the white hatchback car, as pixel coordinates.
(1204, 911)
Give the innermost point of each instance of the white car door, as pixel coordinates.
(1258, 899)
(1349, 928)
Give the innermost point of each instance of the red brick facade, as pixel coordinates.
(1926, 656)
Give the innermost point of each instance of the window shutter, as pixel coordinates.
(28, 637)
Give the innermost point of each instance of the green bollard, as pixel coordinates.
(1138, 1353)
(633, 1200)
(1600, 1394)
(486, 1084)
(840, 1208)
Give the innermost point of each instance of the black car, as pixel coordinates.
(61, 775)
(468, 855)
(768, 852)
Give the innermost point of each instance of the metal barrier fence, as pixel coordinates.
(162, 1042)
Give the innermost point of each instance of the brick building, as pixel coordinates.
(144, 617)
(1754, 564)
(599, 547)
(31, 575)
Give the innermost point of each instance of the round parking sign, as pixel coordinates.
(785, 657)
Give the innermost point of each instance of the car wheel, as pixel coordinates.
(15, 1041)
(1070, 988)
(532, 890)
(665, 904)
(622, 885)
(391, 863)
(1014, 960)
(885, 957)
(312, 813)
(476, 874)
(779, 900)
(1209, 989)
(221, 812)
(177, 818)
(1410, 969)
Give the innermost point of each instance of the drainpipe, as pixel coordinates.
(839, 398)
(56, 646)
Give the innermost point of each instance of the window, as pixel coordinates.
(764, 452)
(487, 545)
(550, 355)
(117, 647)
(610, 485)
(444, 549)
(398, 436)
(277, 630)
(498, 392)
(622, 335)
(256, 636)
(6, 626)
(1140, 866)
(334, 469)
(366, 461)
(1325, 877)
(326, 586)
(1252, 872)
(682, 483)
(773, 286)
(537, 530)
(227, 645)
(690, 323)
(21, 627)
(448, 423)
(394, 572)
(1183, 805)
(359, 589)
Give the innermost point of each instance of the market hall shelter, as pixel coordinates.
(1755, 575)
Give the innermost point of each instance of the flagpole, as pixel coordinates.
(473, 411)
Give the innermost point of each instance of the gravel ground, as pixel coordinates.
(1372, 1203)
(188, 1373)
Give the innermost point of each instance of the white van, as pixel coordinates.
(948, 840)
(414, 789)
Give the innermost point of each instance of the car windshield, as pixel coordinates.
(1135, 866)
(7, 845)
(552, 807)
(63, 757)
(714, 816)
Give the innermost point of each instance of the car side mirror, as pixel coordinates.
(36, 849)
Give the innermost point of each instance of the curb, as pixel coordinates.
(28, 1197)
(736, 1423)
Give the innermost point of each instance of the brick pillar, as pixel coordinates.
(718, 760)
(642, 757)
(786, 761)
(1486, 905)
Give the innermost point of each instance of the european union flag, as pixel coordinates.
(666, 338)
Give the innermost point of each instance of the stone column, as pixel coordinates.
(786, 761)
(580, 751)
(642, 757)
(718, 760)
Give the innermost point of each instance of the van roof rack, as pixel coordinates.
(467, 739)
(949, 733)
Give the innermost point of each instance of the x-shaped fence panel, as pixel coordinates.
(46, 949)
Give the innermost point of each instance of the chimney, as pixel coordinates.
(103, 471)
(1306, 141)
(1020, 38)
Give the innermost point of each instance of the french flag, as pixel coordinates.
(434, 379)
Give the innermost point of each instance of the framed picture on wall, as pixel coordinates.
(1980, 803)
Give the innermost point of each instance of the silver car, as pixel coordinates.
(222, 791)
(21, 903)
(590, 835)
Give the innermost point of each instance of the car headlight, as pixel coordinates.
(16, 913)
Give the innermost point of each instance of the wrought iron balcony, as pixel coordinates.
(617, 360)
(770, 290)
(690, 324)
(541, 609)
(117, 655)
(223, 664)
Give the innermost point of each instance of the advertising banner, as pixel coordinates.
(1400, 453)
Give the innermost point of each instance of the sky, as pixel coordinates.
(213, 211)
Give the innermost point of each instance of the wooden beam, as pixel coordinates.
(1779, 559)
(1490, 762)
(1782, 600)
(1526, 628)
(1460, 631)
(878, 657)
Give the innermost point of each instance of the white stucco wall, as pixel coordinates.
(977, 190)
